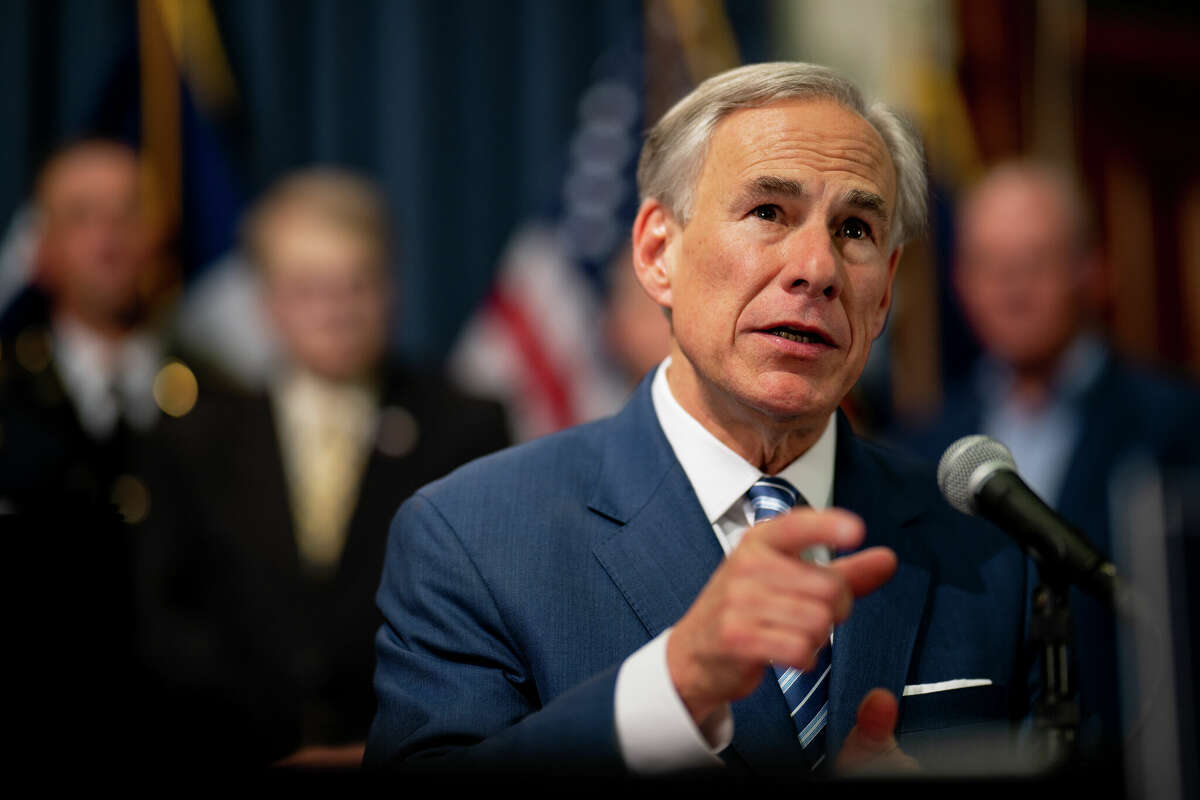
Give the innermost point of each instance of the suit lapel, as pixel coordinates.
(266, 478)
(874, 646)
(1097, 446)
(665, 550)
(664, 553)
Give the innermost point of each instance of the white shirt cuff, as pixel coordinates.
(655, 732)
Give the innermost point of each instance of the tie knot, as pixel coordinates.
(771, 497)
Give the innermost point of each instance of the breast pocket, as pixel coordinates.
(949, 708)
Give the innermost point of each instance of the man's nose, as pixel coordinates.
(812, 263)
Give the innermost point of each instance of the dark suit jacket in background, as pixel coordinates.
(67, 557)
(69, 582)
(1126, 412)
(514, 589)
(253, 656)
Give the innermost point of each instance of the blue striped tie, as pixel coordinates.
(807, 693)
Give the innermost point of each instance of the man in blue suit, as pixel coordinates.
(626, 595)
(1072, 411)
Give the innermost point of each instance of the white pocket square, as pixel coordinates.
(945, 686)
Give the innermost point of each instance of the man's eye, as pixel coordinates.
(855, 228)
(767, 211)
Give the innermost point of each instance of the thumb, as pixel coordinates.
(876, 720)
(871, 745)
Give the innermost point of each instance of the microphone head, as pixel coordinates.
(966, 464)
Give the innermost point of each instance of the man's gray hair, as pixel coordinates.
(674, 151)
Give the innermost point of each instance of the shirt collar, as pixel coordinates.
(88, 356)
(1081, 365)
(106, 377)
(1078, 368)
(305, 399)
(719, 476)
(85, 359)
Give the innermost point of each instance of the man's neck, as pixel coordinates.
(766, 442)
(1031, 387)
(1035, 385)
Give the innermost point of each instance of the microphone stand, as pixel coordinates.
(1056, 714)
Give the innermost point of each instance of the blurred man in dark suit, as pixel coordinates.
(1049, 387)
(266, 540)
(636, 332)
(77, 385)
(79, 361)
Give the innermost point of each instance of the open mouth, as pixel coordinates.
(794, 335)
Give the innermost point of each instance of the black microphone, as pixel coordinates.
(978, 476)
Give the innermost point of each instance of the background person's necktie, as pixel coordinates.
(807, 693)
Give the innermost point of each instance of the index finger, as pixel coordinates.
(796, 531)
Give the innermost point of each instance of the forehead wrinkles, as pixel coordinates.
(820, 137)
(849, 162)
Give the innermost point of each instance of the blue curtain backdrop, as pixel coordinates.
(461, 109)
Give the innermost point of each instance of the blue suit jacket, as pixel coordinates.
(514, 588)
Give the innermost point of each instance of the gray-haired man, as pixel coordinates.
(604, 598)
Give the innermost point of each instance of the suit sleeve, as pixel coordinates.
(452, 684)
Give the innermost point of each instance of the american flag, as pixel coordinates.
(537, 342)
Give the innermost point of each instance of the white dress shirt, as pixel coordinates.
(1042, 438)
(107, 379)
(655, 732)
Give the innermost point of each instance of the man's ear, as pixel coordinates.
(885, 305)
(654, 232)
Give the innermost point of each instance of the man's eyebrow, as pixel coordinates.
(866, 201)
(773, 185)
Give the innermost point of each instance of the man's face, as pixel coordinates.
(782, 278)
(327, 294)
(93, 246)
(1020, 274)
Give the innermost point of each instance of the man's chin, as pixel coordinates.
(791, 397)
(794, 408)
(345, 369)
(125, 310)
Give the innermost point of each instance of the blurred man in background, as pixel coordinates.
(636, 332)
(1049, 387)
(264, 549)
(78, 361)
(82, 354)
